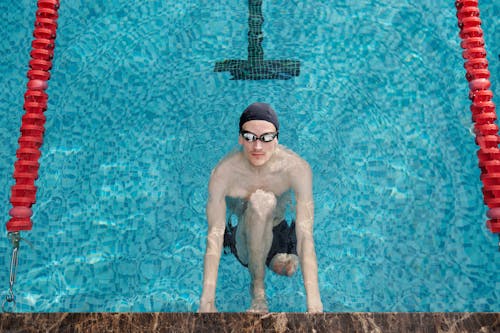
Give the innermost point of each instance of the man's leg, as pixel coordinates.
(283, 254)
(253, 241)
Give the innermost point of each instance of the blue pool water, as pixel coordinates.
(137, 119)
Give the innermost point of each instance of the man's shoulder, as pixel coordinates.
(226, 164)
(222, 175)
(292, 158)
(298, 170)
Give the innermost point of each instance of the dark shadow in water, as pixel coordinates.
(256, 68)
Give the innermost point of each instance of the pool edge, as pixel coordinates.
(246, 322)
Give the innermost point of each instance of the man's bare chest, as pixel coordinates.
(244, 185)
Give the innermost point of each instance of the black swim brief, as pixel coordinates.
(284, 240)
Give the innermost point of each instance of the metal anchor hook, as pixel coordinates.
(10, 298)
(15, 239)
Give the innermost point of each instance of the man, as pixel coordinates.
(255, 183)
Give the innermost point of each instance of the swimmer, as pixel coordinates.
(255, 184)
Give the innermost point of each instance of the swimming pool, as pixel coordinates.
(137, 119)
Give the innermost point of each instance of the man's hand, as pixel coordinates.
(315, 308)
(207, 306)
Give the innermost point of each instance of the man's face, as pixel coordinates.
(258, 152)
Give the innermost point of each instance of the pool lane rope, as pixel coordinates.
(23, 193)
(482, 107)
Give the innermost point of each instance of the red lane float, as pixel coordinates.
(23, 193)
(482, 107)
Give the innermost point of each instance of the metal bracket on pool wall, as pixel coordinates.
(256, 68)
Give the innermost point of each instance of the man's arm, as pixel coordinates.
(302, 185)
(216, 215)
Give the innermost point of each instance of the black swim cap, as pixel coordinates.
(259, 111)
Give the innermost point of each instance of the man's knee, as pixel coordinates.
(263, 203)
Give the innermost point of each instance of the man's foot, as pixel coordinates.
(284, 264)
(259, 304)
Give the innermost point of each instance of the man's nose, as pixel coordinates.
(257, 144)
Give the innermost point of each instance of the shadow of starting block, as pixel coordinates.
(256, 68)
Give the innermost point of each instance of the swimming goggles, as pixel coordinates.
(266, 137)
